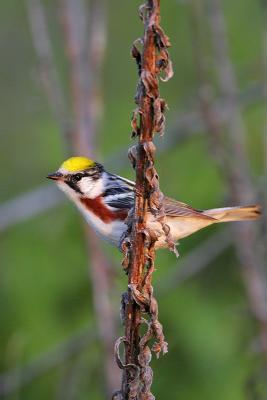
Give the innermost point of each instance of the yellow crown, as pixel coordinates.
(77, 164)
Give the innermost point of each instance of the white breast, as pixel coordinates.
(111, 231)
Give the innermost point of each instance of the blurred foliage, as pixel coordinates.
(44, 288)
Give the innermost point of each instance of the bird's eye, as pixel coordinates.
(77, 177)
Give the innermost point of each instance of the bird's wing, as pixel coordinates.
(174, 208)
(124, 181)
(121, 196)
(119, 193)
(121, 201)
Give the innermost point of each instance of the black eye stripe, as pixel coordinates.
(77, 177)
(73, 185)
(93, 173)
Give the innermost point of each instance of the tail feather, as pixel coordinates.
(227, 214)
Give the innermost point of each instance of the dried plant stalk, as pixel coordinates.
(138, 246)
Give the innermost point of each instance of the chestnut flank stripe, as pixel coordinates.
(98, 208)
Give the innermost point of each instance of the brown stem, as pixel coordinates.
(139, 245)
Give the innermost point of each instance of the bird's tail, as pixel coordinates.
(227, 214)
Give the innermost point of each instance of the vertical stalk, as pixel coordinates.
(138, 246)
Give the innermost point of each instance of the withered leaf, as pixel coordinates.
(162, 39)
(137, 55)
(135, 123)
(132, 155)
(159, 118)
(145, 356)
(150, 82)
(118, 342)
(139, 297)
(168, 71)
(150, 149)
(142, 11)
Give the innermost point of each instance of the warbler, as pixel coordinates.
(105, 200)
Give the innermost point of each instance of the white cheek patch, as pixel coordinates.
(90, 188)
(85, 185)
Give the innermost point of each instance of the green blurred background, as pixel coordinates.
(45, 293)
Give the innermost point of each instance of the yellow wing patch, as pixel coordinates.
(77, 164)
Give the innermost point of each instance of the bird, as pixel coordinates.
(105, 199)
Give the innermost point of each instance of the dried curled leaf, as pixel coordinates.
(153, 180)
(136, 54)
(153, 236)
(132, 155)
(159, 118)
(168, 72)
(142, 11)
(135, 123)
(139, 297)
(139, 43)
(118, 342)
(150, 149)
(134, 370)
(171, 244)
(150, 82)
(160, 347)
(147, 379)
(166, 229)
(155, 200)
(145, 356)
(125, 247)
(162, 40)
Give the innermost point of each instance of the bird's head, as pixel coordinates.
(79, 176)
